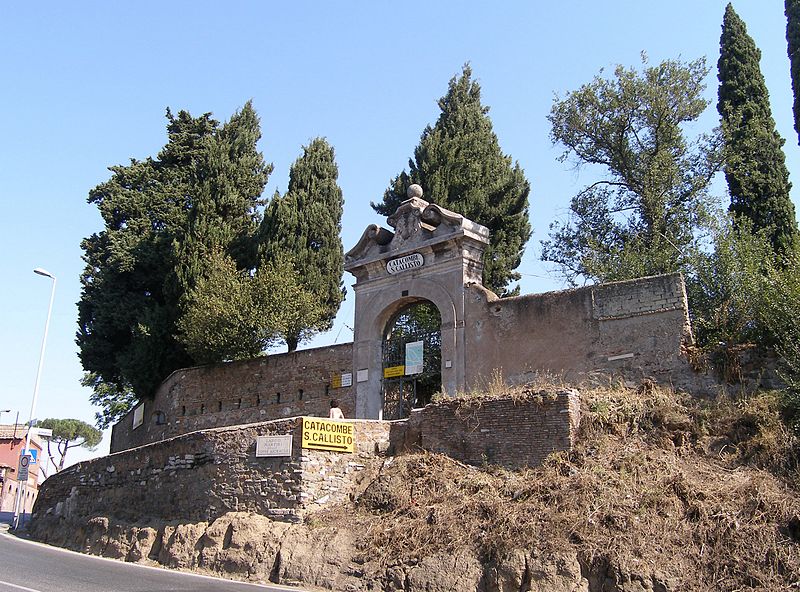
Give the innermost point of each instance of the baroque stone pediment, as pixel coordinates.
(416, 222)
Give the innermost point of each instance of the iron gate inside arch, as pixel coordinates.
(412, 359)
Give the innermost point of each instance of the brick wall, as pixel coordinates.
(248, 391)
(638, 297)
(632, 329)
(513, 432)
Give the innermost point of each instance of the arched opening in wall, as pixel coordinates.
(412, 359)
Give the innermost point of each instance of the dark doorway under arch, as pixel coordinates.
(412, 359)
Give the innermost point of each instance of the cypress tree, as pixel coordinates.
(792, 9)
(229, 179)
(304, 225)
(460, 166)
(754, 163)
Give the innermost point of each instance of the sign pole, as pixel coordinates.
(44, 273)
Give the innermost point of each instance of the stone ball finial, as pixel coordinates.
(414, 191)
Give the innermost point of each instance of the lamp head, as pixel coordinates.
(44, 272)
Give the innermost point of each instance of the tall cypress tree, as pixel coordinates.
(792, 9)
(229, 179)
(460, 166)
(754, 163)
(305, 225)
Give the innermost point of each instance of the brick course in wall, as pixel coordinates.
(248, 391)
(513, 432)
(640, 296)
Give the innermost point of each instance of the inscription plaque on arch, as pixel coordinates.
(412, 261)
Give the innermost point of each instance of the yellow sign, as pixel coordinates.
(336, 381)
(393, 371)
(325, 434)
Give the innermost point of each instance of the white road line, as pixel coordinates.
(2, 583)
(133, 565)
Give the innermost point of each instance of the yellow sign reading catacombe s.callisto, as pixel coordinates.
(324, 434)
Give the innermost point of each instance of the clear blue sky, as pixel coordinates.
(85, 86)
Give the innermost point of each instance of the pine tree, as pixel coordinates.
(460, 166)
(792, 9)
(305, 225)
(754, 163)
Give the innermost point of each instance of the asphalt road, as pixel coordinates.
(26, 566)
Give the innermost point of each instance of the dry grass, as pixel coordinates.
(659, 482)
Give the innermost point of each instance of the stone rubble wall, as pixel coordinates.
(235, 393)
(205, 474)
(200, 476)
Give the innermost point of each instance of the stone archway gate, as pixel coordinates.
(433, 254)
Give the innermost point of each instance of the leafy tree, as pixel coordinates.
(781, 315)
(460, 166)
(69, 433)
(307, 223)
(641, 217)
(726, 293)
(114, 400)
(229, 179)
(162, 216)
(754, 162)
(233, 315)
(792, 10)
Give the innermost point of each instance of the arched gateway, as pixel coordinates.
(415, 276)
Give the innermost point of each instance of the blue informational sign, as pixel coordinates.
(34, 454)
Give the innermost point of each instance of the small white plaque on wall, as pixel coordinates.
(274, 445)
(138, 416)
(347, 379)
(362, 375)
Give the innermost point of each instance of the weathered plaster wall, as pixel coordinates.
(204, 474)
(514, 432)
(633, 329)
(279, 385)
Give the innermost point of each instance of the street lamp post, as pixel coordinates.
(22, 486)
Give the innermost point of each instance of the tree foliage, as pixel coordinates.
(792, 10)
(307, 222)
(113, 399)
(781, 315)
(234, 315)
(69, 433)
(162, 217)
(460, 166)
(754, 163)
(725, 287)
(641, 216)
